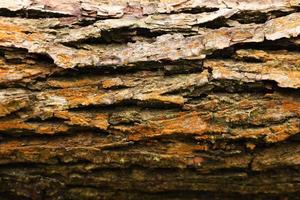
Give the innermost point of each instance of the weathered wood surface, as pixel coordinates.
(185, 99)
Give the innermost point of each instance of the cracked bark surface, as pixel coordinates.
(186, 99)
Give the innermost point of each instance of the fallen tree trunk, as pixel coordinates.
(149, 99)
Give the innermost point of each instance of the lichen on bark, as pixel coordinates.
(185, 99)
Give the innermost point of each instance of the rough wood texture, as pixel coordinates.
(185, 99)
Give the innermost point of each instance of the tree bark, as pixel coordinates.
(176, 99)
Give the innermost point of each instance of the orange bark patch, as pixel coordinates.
(39, 128)
(82, 119)
(187, 123)
(190, 123)
(291, 106)
(111, 83)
